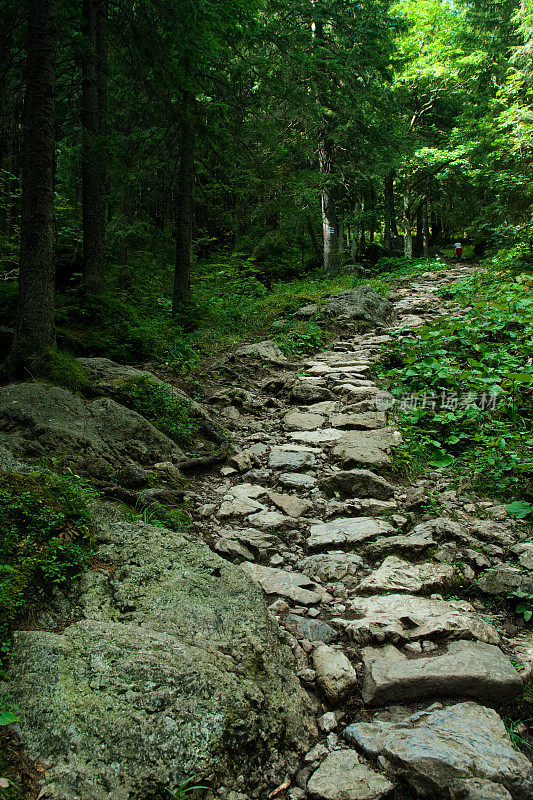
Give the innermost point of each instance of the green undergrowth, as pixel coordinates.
(463, 387)
(132, 321)
(159, 405)
(45, 540)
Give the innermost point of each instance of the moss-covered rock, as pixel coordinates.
(39, 420)
(177, 668)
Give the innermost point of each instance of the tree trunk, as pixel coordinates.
(372, 205)
(313, 238)
(407, 233)
(93, 116)
(356, 232)
(184, 215)
(388, 205)
(418, 243)
(425, 231)
(35, 333)
(330, 223)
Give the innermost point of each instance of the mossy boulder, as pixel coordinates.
(38, 420)
(176, 668)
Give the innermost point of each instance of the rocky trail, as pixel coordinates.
(169, 664)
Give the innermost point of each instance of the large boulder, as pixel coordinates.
(263, 351)
(38, 420)
(462, 751)
(361, 303)
(175, 668)
(116, 379)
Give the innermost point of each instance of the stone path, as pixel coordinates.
(404, 676)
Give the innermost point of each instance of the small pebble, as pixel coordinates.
(332, 740)
(327, 722)
(307, 675)
(279, 606)
(316, 753)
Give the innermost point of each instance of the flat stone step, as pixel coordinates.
(401, 618)
(366, 447)
(397, 575)
(346, 531)
(466, 669)
(342, 776)
(285, 584)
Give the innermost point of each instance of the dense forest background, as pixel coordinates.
(163, 163)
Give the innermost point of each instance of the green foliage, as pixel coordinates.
(524, 605)
(45, 540)
(171, 415)
(520, 510)
(186, 788)
(464, 385)
(400, 267)
(516, 737)
(298, 338)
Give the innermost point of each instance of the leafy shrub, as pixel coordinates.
(45, 539)
(171, 415)
(484, 353)
(298, 338)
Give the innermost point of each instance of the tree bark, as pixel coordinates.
(330, 222)
(407, 232)
(313, 238)
(391, 231)
(35, 333)
(184, 214)
(354, 250)
(94, 123)
(425, 231)
(418, 243)
(372, 207)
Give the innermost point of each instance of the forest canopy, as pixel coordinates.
(147, 147)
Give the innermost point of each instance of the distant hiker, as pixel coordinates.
(458, 250)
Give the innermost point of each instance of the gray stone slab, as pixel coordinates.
(302, 421)
(333, 566)
(455, 751)
(335, 675)
(346, 531)
(397, 575)
(294, 459)
(466, 669)
(283, 583)
(342, 776)
(366, 447)
(399, 618)
(360, 483)
(313, 629)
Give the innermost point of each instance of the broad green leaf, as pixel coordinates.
(520, 509)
